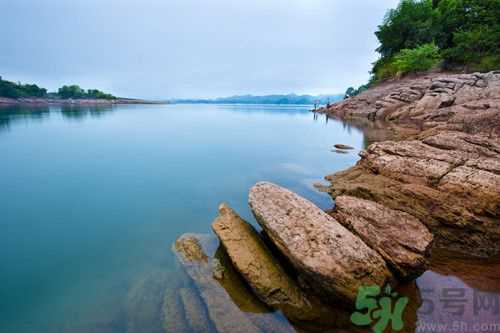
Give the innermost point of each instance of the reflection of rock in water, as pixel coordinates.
(236, 288)
(229, 304)
(480, 274)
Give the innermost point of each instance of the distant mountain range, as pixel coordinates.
(267, 99)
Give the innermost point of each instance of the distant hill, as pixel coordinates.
(267, 99)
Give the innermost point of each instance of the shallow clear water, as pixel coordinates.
(92, 198)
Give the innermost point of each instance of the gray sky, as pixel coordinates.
(191, 48)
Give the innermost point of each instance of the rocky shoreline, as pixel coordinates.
(32, 101)
(434, 186)
(443, 167)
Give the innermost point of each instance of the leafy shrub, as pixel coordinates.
(419, 59)
(384, 69)
(478, 48)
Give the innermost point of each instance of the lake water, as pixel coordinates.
(92, 198)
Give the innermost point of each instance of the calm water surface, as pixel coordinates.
(92, 198)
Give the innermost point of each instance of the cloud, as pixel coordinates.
(188, 48)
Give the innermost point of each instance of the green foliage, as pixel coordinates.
(18, 90)
(94, 93)
(384, 69)
(75, 92)
(419, 59)
(351, 91)
(466, 31)
(406, 27)
(72, 91)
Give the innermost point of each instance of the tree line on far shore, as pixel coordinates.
(18, 90)
(421, 35)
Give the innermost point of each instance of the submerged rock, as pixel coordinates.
(195, 311)
(402, 240)
(329, 257)
(225, 315)
(144, 302)
(230, 305)
(173, 315)
(251, 257)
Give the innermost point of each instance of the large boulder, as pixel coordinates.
(402, 240)
(327, 256)
(265, 275)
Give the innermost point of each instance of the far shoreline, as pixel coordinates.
(38, 101)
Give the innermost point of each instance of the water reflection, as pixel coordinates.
(112, 234)
(373, 131)
(80, 113)
(266, 108)
(461, 291)
(10, 115)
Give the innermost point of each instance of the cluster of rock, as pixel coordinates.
(438, 178)
(306, 264)
(444, 169)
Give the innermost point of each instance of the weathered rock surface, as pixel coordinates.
(326, 255)
(450, 181)
(446, 173)
(251, 257)
(463, 102)
(402, 240)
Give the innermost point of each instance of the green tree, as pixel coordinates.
(73, 91)
(406, 27)
(466, 33)
(469, 33)
(17, 90)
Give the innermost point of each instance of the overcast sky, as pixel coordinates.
(191, 48)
